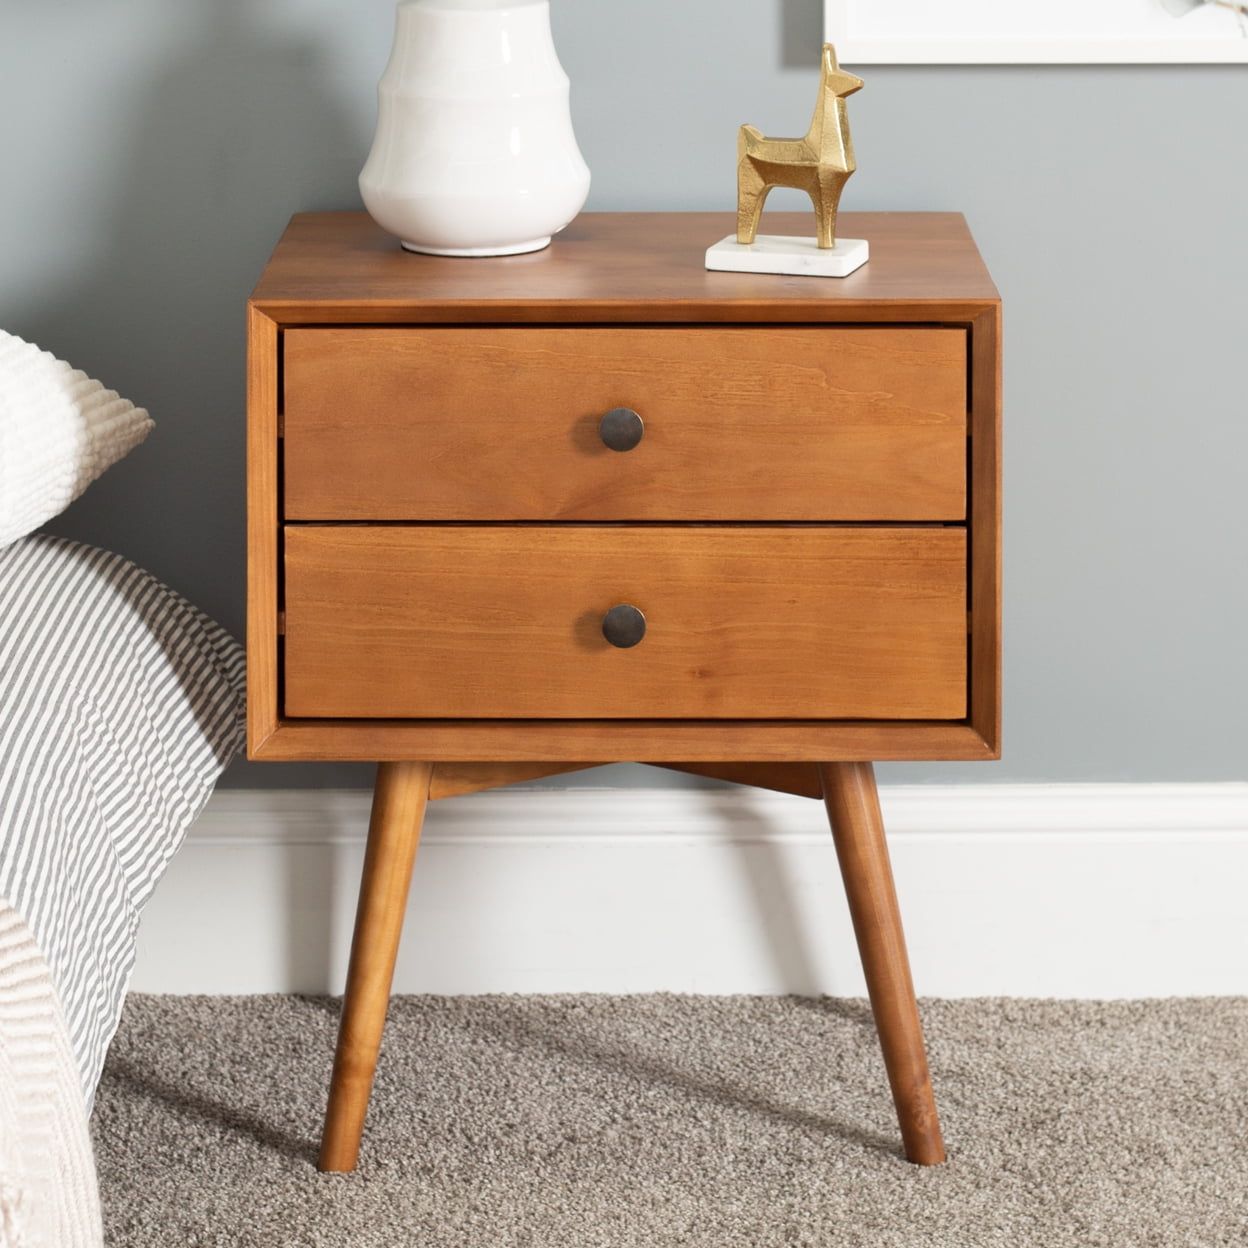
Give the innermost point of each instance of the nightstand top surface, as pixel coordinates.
(620, 266)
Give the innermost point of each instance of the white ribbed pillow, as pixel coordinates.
(59, 430)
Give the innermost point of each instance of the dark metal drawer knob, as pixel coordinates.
(621, 429)
(624, 626)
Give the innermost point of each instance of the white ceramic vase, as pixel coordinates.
(474, 153)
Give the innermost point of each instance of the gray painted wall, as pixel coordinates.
(152, 150)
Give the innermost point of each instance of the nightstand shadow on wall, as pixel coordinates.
(759, 880)
(768, 879)
(313, 877)
(217, 135)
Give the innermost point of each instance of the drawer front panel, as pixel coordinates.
(738, 423)
(754, 622)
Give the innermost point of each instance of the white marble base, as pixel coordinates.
(799, 257)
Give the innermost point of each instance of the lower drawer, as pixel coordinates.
(751, 622)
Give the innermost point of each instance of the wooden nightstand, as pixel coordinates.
(514, 517)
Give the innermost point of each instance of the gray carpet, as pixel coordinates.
(558, 1122)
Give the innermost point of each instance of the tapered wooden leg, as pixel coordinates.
(399, 802)
(853, 804)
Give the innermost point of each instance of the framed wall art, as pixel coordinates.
(953, 32)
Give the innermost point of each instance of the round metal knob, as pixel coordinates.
(624, 626)
(621, 429)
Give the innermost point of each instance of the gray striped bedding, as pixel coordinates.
(120, 704)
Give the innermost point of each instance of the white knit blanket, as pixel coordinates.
(48, 1196)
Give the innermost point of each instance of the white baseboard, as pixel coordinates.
(1019, 890)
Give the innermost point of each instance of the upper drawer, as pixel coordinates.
(740, 423)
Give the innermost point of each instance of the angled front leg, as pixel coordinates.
(752, 194)
(399, 801)
(853, 804)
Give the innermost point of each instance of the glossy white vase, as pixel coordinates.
(474, 153)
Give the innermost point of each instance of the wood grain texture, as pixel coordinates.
(858, 829)
(741, 423)
(456, 779)
(631, 268)
(743, 622)
(986, 547)
(262, 528)
(800, 779)
(769, 649)
(340, 268)
(399, 801)
(618, 740)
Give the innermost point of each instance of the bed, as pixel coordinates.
(120, 704)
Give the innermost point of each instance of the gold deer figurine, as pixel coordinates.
(819, 164)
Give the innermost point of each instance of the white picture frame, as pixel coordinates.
(1003, 32)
